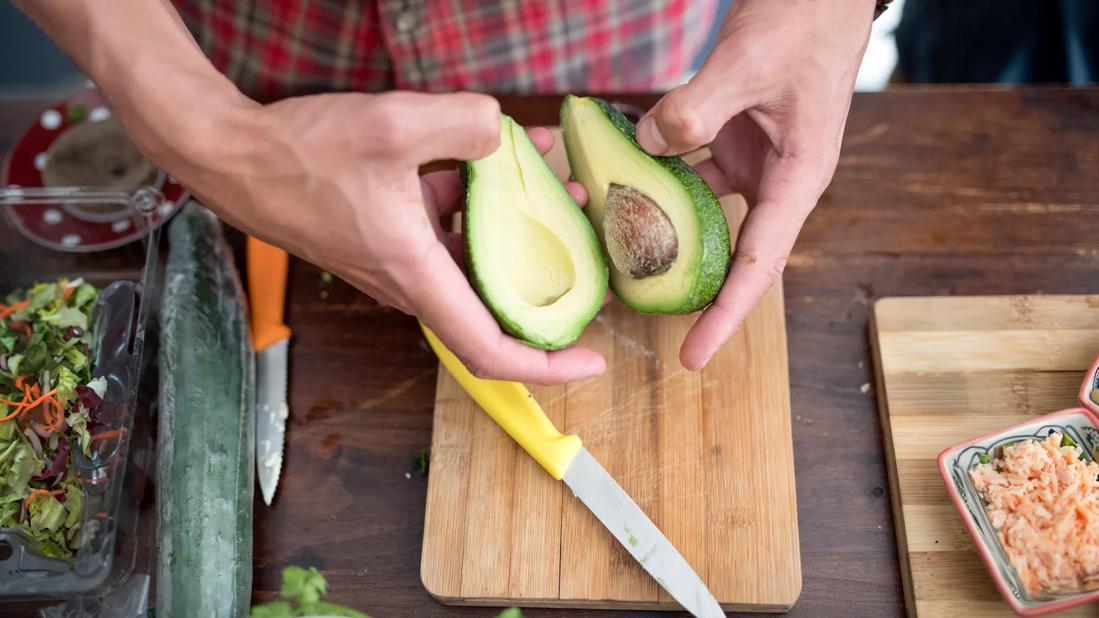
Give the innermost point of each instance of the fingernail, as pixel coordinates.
(650, 128)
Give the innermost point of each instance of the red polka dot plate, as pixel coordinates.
(66, 226)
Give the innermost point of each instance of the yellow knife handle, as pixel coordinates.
(514, 409)
(267, 266)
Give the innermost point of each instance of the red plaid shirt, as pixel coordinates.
(278, 48)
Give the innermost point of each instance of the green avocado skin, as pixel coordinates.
(713, 228)
(468, 173)
(466, 169)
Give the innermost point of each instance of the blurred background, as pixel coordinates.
(915, 41)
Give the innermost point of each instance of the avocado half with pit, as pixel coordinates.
(531, 254)
(660, 224)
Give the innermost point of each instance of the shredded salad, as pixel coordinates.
(48, 405)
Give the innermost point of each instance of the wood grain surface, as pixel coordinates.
(939, 191)
(707, 455)
(951, 369)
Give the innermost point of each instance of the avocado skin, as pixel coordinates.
(468, 173)
(713, 228)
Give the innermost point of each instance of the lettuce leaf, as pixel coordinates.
(83, 297)
(44, 299)
(78, 423)
(18, 463)
(66, 382)
(65, 317)
(74, 502)
(75, 358)
(99, 385)
(46, 513)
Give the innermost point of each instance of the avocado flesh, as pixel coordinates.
(532, 256)
(604, 155)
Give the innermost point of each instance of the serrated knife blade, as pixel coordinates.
(271, 414)
(267, 269)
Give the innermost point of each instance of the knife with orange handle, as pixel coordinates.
(267, 268)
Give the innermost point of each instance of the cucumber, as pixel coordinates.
(206, 439)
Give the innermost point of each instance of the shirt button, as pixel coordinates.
(405, 22)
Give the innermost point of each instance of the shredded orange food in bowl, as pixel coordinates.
(1043, 499)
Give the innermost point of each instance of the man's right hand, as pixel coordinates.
(334, 179)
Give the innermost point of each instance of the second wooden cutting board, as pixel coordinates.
(950, 369)
(708, 456)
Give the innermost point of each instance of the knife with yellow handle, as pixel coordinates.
(565, 458)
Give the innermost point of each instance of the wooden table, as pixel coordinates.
(939, 191)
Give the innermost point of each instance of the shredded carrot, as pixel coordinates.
(19, 382)
(30, 392)
(107, 435)
(41, 492)
(48, 395)
(6, 310)
(53, 414)
(19, 407)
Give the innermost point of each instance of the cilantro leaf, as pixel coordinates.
(307, 586)
(422, 461)
(321, 608)
(274, 609)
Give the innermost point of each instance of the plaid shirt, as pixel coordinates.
(277, 48)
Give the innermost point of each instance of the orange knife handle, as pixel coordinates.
(267, 266)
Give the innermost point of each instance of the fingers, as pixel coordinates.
(714, 177)
(447, 304)
(455, 246)
(690, 116)
(542, 139)
(443, 192)
(788, 194)
(578, 192)
(430, 127)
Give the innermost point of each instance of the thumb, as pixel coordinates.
(689, 116)
(461, 125)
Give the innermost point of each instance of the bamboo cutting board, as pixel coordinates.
(953, 368)
(708, 456)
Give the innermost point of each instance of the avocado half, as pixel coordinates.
(660, 224)
(531, 254)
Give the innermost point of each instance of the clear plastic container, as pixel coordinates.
(116, 477)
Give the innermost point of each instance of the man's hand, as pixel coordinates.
(333, 179)
(771, 101)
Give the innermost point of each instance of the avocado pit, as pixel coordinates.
(640, 237)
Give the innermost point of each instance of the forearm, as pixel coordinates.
(162, 88)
